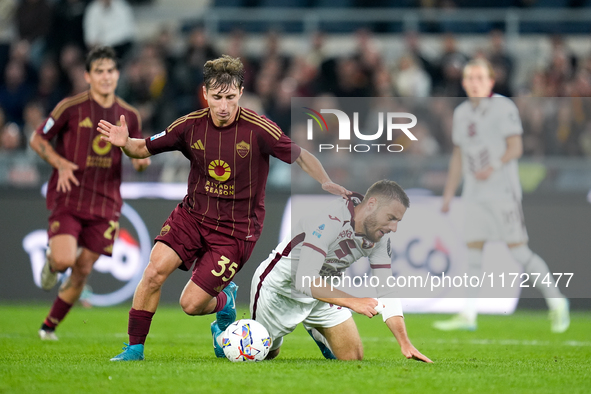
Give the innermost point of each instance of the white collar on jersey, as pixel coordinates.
(485, 103)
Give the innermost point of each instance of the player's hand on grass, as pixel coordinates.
(334, 188)
(364, 306)
(116, 135)
(410, 351)
(66, 176)
(141, 164)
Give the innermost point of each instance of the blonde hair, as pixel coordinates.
(481, 63)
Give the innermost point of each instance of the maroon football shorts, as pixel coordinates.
(92, 232)
(217, 256)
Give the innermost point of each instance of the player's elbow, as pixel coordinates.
(33, 141)
(301, 160)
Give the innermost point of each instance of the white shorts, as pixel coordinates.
(280, 315)
(494, 221)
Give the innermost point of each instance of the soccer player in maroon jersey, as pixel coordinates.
(83, 192)
(221, 217)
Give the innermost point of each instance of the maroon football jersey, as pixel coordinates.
(73, 123)
(229, 167)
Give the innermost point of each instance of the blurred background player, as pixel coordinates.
(221, 217)
(83, 193)
(323, 246)
(487, 137)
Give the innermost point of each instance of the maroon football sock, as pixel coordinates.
(58, 311)
(221, 299)
(138, 326)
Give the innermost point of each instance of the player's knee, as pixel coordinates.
(61, 263)
(153, 277)
(77, 281)
(82, 269)
(191, 308)
(479, 245)
(522, 253)
(353, 354)
(273, 353)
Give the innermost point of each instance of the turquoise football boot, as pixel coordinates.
(216, 333)
(326, 352)
(130, 353)
(227, 316)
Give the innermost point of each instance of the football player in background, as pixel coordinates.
(487, 137)
(83, 192)
(289, 288)
(220, 219)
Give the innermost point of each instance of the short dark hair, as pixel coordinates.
(101, 53)
(223, 72)
(386, 190)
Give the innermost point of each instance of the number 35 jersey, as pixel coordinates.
(332, 234)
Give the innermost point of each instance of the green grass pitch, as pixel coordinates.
(507, 354)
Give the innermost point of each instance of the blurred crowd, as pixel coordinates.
(43, 45)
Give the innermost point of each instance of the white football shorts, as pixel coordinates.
(280, 314)
(494, 221)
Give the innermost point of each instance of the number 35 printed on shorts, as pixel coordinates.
(225, 267)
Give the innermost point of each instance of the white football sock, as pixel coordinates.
(474, 269)
(533, 264)
(319, 337)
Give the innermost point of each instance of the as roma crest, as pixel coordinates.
(242, 148)
(164, 230)
(55, 226)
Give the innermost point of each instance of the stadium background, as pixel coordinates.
(540, 49)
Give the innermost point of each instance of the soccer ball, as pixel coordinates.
(246, 340)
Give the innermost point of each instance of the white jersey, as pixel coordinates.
(481, 134)
(332, 234)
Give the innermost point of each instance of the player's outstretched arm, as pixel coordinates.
(398, 328)
(314, 168)
(454, 176)
(309, 282)
(119, 136)
(64, 167)
(363, 306)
